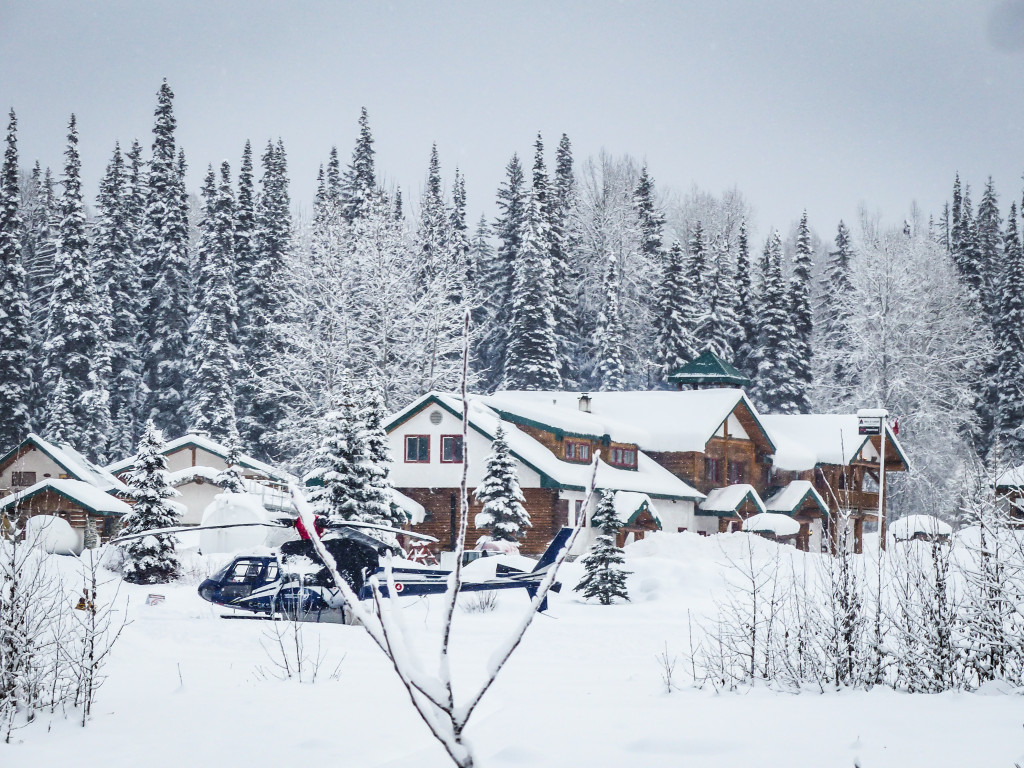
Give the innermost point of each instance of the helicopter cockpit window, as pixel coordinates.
(245, 571)
(271, 573)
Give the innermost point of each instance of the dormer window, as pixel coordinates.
(577, 451)
(623, 457)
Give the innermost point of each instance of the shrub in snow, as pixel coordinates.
(150, 559)
(503, 515)
(604, 578)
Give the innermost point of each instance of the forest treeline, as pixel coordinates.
(230, 312)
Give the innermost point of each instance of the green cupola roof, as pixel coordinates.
(708, 370)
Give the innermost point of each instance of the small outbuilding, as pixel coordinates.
(920, 528)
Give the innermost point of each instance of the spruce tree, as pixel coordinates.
(563, 243)
(674, 318)
(166, 272)
(15, 317)
(337, 484)
(775, 389)
(610, 341)
(150, 559)
(119, 284)
(75, 349)
(432, 234)
(244, 224)
(837, 317)
(604, 577)
(481, 256)
(213, 334)
(263, 297)
(719, 330)
(459, 253)
(746, 307)
(502, 513)
(230, 478)
(532, 357)
(1009, 339)
(376, 503)
(498, 280)
(698, 262)
(360, 182)
(334, 183)
(803, 320)
(990, 241)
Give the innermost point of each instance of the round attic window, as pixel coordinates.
(435, 417)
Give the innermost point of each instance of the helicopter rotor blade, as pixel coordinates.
(375, 527)
(186, 528)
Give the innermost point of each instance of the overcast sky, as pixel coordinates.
(823, 105)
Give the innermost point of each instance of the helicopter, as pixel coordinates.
(293, 581)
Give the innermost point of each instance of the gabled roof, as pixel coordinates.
(805, 441)
(659, 420)
(791, 498)
(1011, 478)
(708, 369)
(202, 442)
(649, 477)
(725, 502)
(630, 505)
(74, 464)
(85, 495)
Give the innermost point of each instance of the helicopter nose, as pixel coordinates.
(207, 589)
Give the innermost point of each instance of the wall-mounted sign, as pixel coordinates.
(869, 425)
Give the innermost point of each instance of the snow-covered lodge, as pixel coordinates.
(700, 459)
(39, 477)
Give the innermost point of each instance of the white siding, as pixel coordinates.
(436, 474)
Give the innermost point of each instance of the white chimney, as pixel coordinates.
(585, 402)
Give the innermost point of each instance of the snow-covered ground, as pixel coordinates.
(584, 689)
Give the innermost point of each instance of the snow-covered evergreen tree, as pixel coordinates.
(746, 307)
(244, 226)
(165, 267)
(836, 378)
(119, 284)
(775, 387)
(698, 261)
(502, 513)
(1009, 341)
(376, 503)
(803, 320)
(604, 578)
(75, 349)
(719, 330)
(15, 317)
(337, 484)
(674, 316)
(459, 253)
(532, 357)
(433, 229)
(150, 559)
(561, 210)
(230, 478)
(611, 370)
(213, 334)
(263, 297)
(360, 183)
(498, 280)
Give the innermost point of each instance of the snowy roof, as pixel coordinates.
(790, 498)
(413, 509)
(629, 504)
(909, 525)
(1011, 478)
(708, 369)
(772, 522)
(730, 498)
(655, 421)
(803, 441)
(73, 463)
(85, 495)
(217, 449)
(649, 477)
(189, 474)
